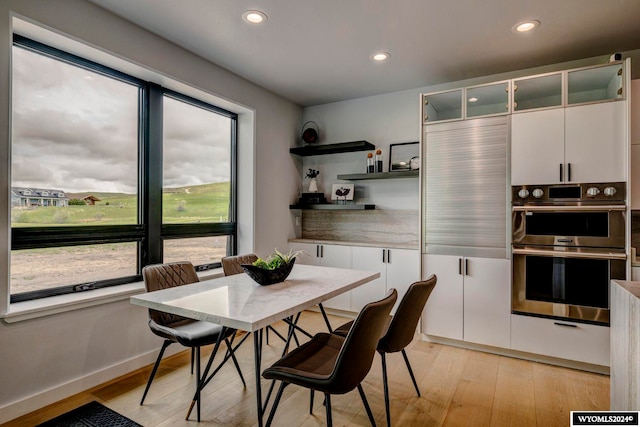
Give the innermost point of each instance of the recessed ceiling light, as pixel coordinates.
(524, 26)
(380, 56)
(254, 17)
(473, 99)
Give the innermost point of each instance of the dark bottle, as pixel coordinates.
(370, 165)
(378, 160)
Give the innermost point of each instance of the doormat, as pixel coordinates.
(93, 414)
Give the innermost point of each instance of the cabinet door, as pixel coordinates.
(442, 315)
(487, 301)
(537, 147)
(595, 142)
(340, 257)
(309, 254)
(368, 259)
(403, 268)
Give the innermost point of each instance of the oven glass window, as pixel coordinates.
(574, 281)
(587, 224)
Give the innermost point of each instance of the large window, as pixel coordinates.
(110, 173)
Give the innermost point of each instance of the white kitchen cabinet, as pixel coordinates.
(559, 338)
(443, 314)
(471, 301)
(635, 176)
(329, 256)
(537, 147)
(595, 143)
(585, 143)
(398, 269)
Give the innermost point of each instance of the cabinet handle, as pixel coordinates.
(321, 251)
(389, 256)
(568, 325)
(466, 266)
(561, 178)
(317, 251)
(460, 266)
(569, 172)
(383, 256)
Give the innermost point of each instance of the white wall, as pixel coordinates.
(49, 358)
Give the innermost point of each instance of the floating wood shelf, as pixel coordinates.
(341, 147)
(380, 175)
(334, 206)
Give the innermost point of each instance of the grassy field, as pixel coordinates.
(193, 204)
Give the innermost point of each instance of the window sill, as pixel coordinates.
(43, 307)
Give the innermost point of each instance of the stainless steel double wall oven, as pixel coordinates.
(568, 243)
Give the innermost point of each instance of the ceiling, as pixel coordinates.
(318, 51)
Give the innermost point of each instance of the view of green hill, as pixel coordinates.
(190, 204)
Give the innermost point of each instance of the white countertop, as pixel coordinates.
(355, 243)
(239, 302)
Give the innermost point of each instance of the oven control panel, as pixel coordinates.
(610, 192)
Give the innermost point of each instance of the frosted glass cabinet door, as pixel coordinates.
(595, 142)
(537, 147)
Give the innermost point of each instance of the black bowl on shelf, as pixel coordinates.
(268, 277)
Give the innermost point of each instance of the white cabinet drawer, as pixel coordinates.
(579, 342)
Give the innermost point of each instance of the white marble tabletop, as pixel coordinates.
(239, 302)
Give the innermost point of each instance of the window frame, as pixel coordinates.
(148, 232)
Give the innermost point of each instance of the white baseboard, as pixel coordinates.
(43, 398)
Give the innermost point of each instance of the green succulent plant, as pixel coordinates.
(276, 260)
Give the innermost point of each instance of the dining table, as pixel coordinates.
(240, 303)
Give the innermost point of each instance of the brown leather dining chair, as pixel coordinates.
(333, 364)
(400, 331)
(177, 329)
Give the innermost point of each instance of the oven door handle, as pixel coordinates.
(597, 208)
(560, 254)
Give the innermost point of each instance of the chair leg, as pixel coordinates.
(311, 402)
(406, 360)
(385, 383)
(198, 382)
(193, 355)
(165, 344)
(267, 332)
(366, 405)
(275, 403)
(327, 400)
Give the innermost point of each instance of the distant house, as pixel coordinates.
(90, 199)
(27, 197)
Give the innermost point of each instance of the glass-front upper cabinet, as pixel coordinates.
(485, 100)
(442, 106)
(537, 92)
(595, 84)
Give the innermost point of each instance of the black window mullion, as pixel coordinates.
(152, 165)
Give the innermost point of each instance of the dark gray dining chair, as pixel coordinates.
(177, 329)
(332, 364)
(400, 331)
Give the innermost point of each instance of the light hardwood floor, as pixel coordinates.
(459, 388)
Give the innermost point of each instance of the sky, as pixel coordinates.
(76, 131)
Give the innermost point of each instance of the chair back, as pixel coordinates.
(232, 264)
(163, 276)
(404, 323)
(356, 355)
